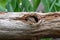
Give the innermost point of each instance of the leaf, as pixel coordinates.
(46, 39)
(58, 3)
(27, 6)
(9, 7)
(35, 4)
(17, 9)
(46, 4)
(13, 4)
(2, 9)
(52, 5)
(3, 3)
(49, 5)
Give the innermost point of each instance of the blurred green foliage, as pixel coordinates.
(18, 5)
(51, 5)
(46, 39)
(28, 5)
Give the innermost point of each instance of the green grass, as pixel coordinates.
(28, 5)
(46, 39)
(51, 5)
(19, 5)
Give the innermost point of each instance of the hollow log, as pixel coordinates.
(29, 25)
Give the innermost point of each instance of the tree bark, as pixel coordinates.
(29, 25)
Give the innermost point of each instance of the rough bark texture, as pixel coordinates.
(29, 26)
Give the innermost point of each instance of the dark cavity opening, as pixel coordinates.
(56, 16)
(35, 18)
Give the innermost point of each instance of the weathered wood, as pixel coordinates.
(29, 26)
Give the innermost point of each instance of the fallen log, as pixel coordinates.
(29, 25)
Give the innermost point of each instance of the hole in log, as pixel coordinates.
(32, 19)
(56, 16)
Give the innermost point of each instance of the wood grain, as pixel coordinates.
(29, 25)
